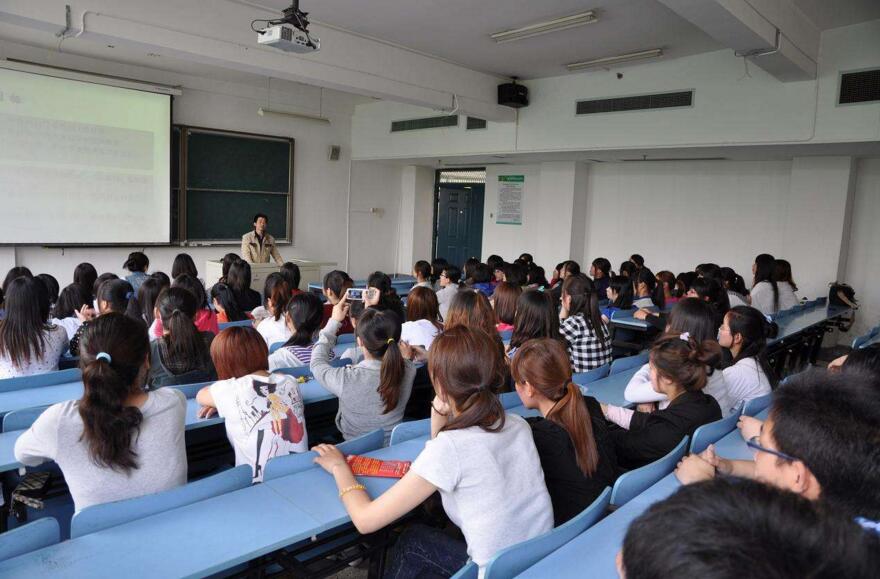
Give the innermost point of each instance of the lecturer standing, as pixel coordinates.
(257, 245)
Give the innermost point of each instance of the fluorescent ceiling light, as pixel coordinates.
(611, 60)
(563, 23)
(264, 111)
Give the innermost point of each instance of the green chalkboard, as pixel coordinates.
(226, 178)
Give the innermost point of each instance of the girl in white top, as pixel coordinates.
(265, 415)
(71, 308)
(303, 319)
(483, 462)
(117, 441)
(697, 318)
(28, 344)
(784, 282)
(423, 318)
(274, 328)
(744, 332)
(765, 292)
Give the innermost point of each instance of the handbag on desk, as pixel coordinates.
(841, 294)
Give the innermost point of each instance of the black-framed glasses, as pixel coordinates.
(754, 443)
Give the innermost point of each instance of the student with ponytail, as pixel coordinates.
(112, 296)
(745, 332)
(572, 438)
(182, 354)
(137, 263)
(303, 318)
(481, 460)
(372, 394)
(274, 328)
(678, 370)
(620, 294)
(765, 293)
(117, 441)
(225, 305)
(589, 342)
(647, 292)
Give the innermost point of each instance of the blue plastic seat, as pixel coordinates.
(510, 400)
(713, 432)
(275, 347)
(40, 380)
(634, 482)
(190, 390)
(469, 571)
(517, 558)
(240, 323)
(624, 364)
(296, 372)
(582, 378)
(506, 335)
(21, 419)
(757, 405)
(30, 537)
(409, 430)
(293, 463)
(346, 339)
(860, 341)
(98, 517)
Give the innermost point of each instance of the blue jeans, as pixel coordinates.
(423, 551)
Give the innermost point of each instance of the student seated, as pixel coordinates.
(422, 272)
(600, 271)
(481, 279)
(225, 305)
(182, 354)
(437, 266)
(697, 318)
(589, 341)
(117, 441)
(504, 303)
(205, 318)
(71, 300)
(481, 460)
(728, 529)
(535, 318)
(303, 318)
(239, 281)
(85, 275)
(472, 309)
(821, 440)
(137, 264)
(111, 296)
(620, 294)
(290, 272)
(572, 438)
(735, 286)
(765, 292)
(147, 297)
(29, 344)
(646, 291)
(744, 332)
(273, 326)
(566, 269)
(710, 291)
(449, 278)
(335, 284)
(372, 394)
(184, 265)
(671, 289)
(388, 298)
(52, 288)
(678, 370)
(785, 284)
(264, 412)
(422, 318)
(536, 278)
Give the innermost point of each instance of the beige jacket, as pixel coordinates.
(254, 252)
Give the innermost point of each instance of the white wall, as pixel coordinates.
(320, 185)
(374, 236)
(863, 265)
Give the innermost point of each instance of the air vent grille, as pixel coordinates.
(425, 123)
(475, 123)
(859, 87)
(636, 103)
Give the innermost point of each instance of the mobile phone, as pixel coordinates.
(356, 293)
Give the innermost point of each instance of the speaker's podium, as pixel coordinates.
(310, 272)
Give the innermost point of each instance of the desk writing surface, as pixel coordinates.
(610, 389)
(733, 446)
(42, 396)
(192, 541)
(791, 325)
(592, 554)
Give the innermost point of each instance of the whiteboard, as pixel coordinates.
(82, 163)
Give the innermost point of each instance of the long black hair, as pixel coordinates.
(224, 296)
(755, 330)
(109, 426)
(22, 332)
(291, 273)
(734, 282)
(177, 309)
(710, 290)
(52, 286)
(782, 273)
(15, 273)
(764, 266)
(584, 301)
(227, 262)
(184, 264)
(535, 317)
(379, 332)
(84, 275)
(147, 296)
(239, 277)
(137, 261)
(118, 294)
(193, 286)
(277, 290)
(71, 299)
(305, 312)
(647, 277)
(388, 299)
(623, 287)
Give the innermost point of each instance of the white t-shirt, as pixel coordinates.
(762, 298)
(264, 418)
(419, 333)
(70, 325)
(55, 343)
(735, 299)
(274, 331)
(787, 298)
(491, 484)
(744, 381)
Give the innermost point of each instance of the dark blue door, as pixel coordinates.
(459, 222)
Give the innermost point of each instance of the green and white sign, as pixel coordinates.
(510, 197)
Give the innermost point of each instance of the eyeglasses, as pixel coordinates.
(754, 443)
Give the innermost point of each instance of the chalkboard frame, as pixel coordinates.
(181, 233)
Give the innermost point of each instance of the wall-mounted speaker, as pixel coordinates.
(334, 152)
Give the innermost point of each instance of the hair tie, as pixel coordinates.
(686, 337)
(104, 356)
(389, 341)
(768, 318)
(129, 295)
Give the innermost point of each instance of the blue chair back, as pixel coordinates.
(40, 380)
(757, 405)
(506, 335)
(275, 347)
(190, 390)
(860, 341)
(98, 517)
(340, 348)
(510, 400)
(634, 482)
(297, 462)
(346, 339)
(470, 571)
(30, 537)
(624, 364)
(340, 362)
(297, 372)
(409, 430)
(517, 558)
(22, 419)
(240, 323)
(191, 377)
(713, 432)
(582, 378)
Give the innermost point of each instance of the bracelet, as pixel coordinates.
(357, 487)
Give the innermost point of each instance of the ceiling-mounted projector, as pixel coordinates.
(290, 33)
